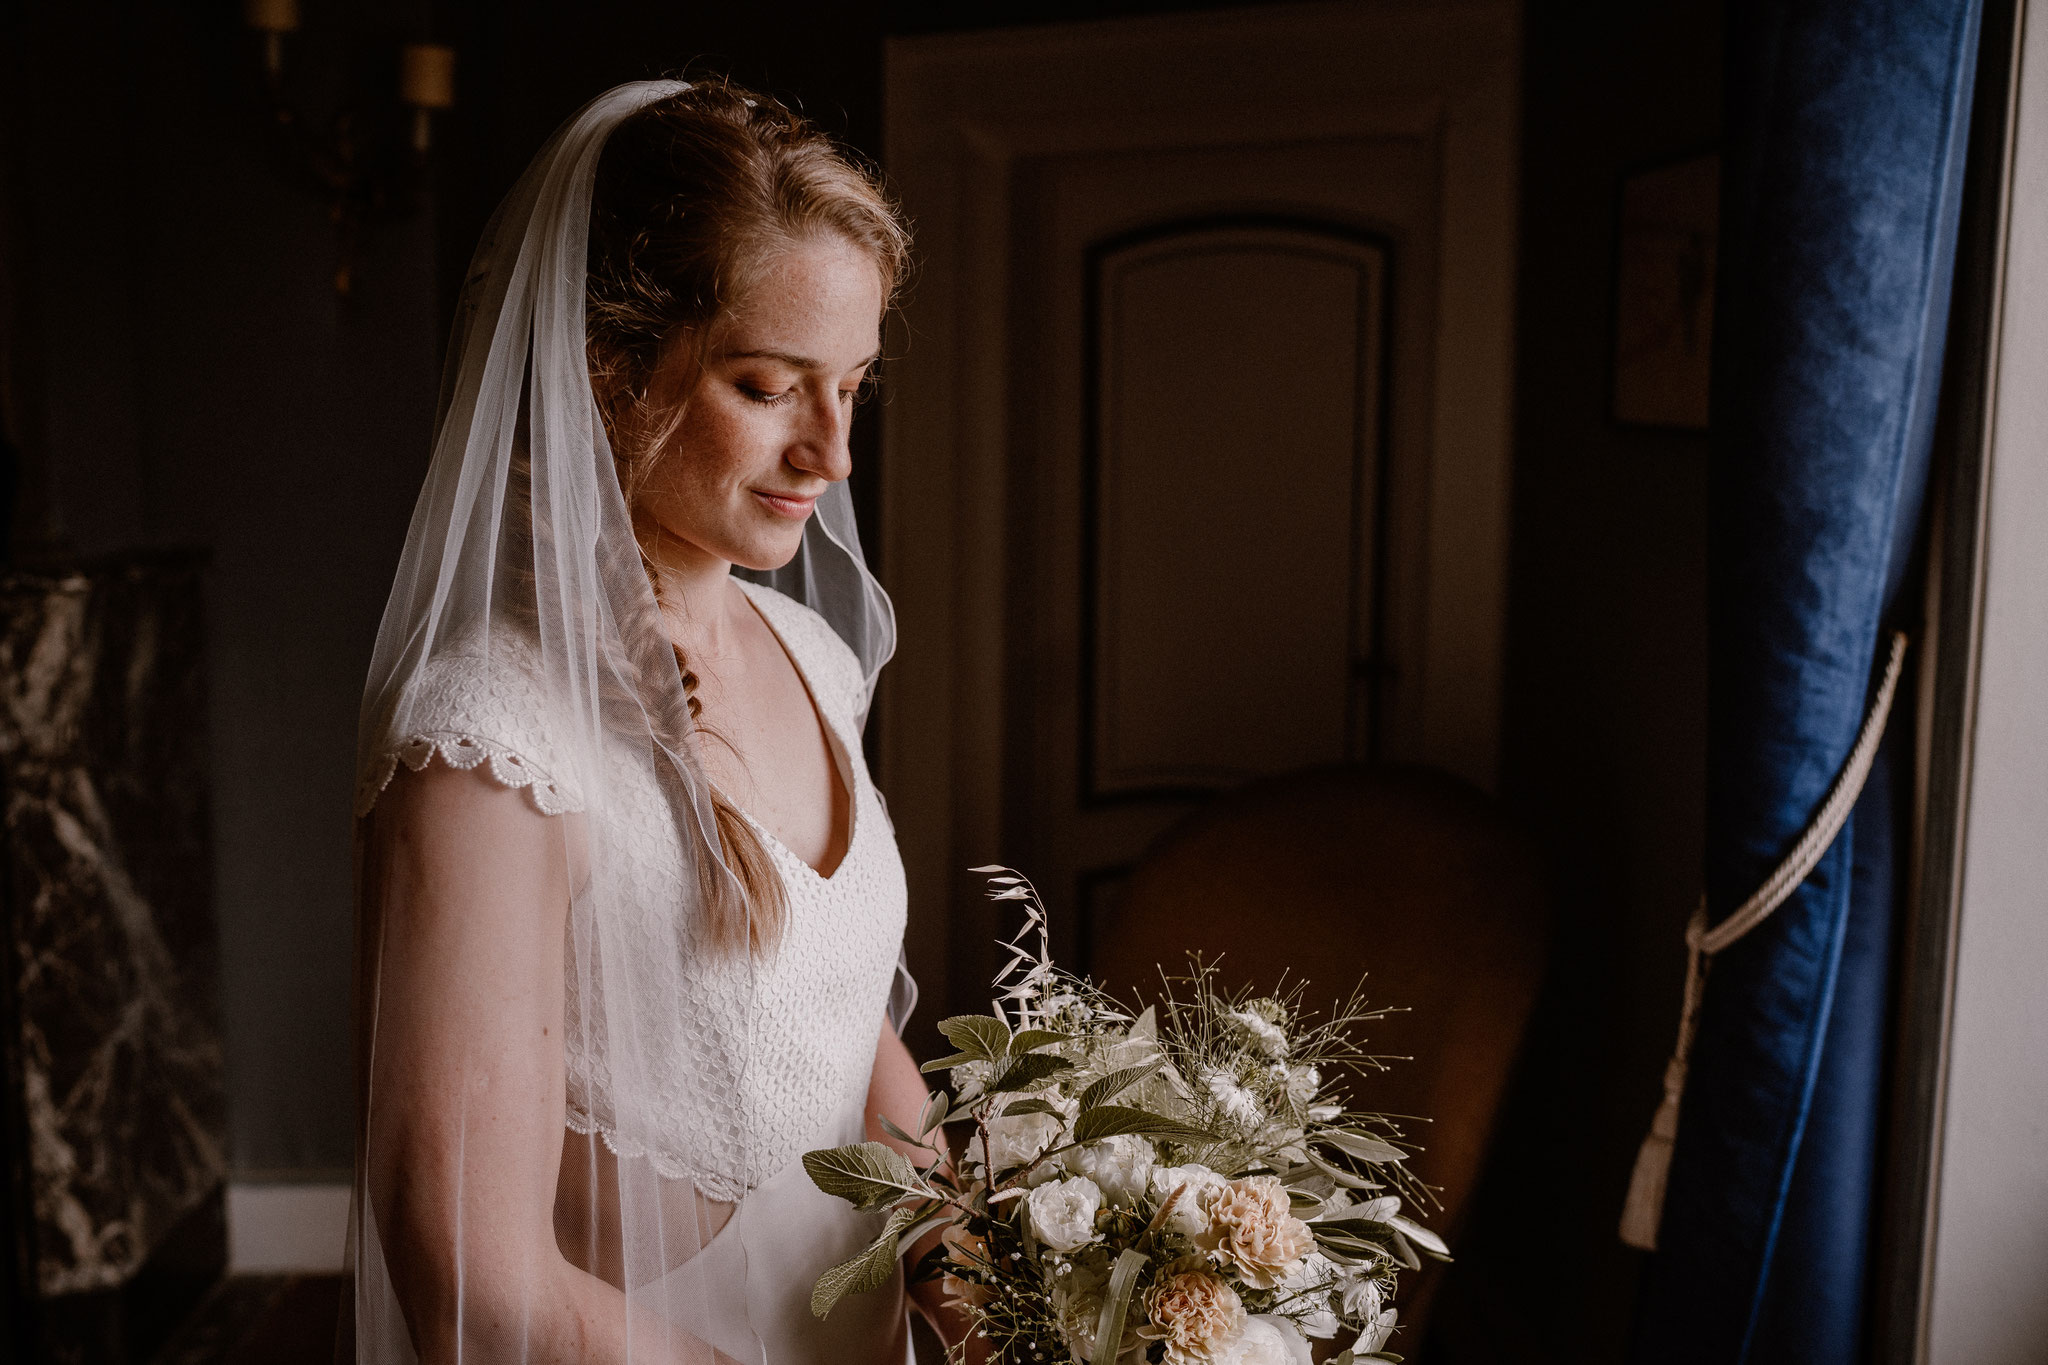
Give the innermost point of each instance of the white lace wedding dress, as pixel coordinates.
(758, 1063)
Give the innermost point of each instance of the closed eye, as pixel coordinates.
(764, 397)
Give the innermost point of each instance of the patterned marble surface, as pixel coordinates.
(111, 957)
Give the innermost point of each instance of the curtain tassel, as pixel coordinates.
(1644, 1208)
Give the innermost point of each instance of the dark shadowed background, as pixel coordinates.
(181, 372)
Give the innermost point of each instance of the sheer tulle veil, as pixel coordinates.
(521, 554)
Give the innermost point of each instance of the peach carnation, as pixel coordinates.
(1253, 1228)
(1196, 1314)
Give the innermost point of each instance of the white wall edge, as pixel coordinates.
(1988, 1252)
(287, 1229)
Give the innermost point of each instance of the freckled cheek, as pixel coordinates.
(739, 445)
(719, 454)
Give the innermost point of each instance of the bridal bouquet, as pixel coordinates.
(1182, 1186)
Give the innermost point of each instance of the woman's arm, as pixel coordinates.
(467, 909)
(897, 1089)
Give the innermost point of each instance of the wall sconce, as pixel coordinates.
(362, 164)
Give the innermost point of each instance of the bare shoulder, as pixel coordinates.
(471, 844)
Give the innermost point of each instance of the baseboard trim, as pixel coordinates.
(295, 1229)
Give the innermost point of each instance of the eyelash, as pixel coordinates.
(856, 396)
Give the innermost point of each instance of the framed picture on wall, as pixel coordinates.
(1664, 293)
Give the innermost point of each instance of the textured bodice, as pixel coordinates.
(738, 1063)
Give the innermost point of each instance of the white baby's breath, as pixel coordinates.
(1077, 1292)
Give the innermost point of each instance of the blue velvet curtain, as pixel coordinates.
(1842, 179)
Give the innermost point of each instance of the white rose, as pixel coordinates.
(1307, 1290)
(1062, 1213)
(1266, 1340)
(1375, 1336)
(1121, 1166)
(1267, 1036)
(1198, 1185)
(1018, 1140)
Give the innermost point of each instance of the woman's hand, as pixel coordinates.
(897, 1089)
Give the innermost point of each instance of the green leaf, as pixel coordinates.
(948, 1063)
(1114, 1084)
(1030, 1106)
(1035, 1038)
(1340, 1175)
(1376, 1211)
(867, 1175)
(1116, 1305)
(893, 1131)
(934, 1112)
(1145, 1027)
(1029, 1070)
(1111, 1119)
(869, 1270)
(983, 1037)
(1361, 1145)
(1422, 1237)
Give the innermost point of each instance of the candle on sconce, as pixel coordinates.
(272, 16)
(426, 81)
(273, 19)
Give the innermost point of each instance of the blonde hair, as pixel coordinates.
(695, 197)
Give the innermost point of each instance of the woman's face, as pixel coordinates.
(764, 433)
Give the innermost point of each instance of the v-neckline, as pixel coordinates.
(835, 743)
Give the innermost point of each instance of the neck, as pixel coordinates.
(694, 589)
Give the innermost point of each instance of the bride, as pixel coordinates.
(630, 909)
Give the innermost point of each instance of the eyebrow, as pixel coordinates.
(795, 362)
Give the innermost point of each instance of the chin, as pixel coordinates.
(768, 553)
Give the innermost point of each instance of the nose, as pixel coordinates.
(821, 447)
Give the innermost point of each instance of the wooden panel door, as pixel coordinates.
(1196, 440)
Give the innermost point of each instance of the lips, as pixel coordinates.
(791, 505)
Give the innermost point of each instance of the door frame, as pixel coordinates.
(961, 113)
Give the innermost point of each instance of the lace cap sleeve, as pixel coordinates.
(472, 710)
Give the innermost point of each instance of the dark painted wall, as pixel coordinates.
(1606, 688)
(192, 379)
